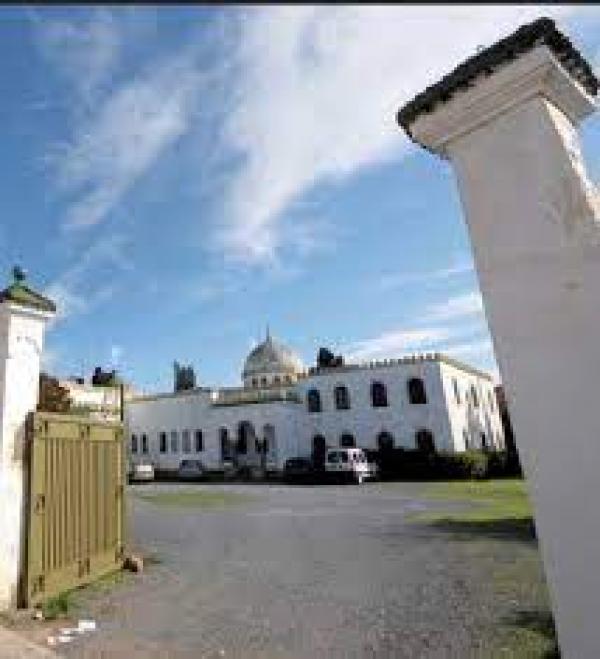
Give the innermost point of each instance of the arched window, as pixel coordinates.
(342, 398)
(245, 436)
(385, 441)
(225, 444)
(456, 391)
(318, 451)
(474, 397)
(313, 399)
(347, 440)
(416, 391)
(186, 444)
(424, 441)
(378, 394)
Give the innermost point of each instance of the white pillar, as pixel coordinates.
(534, 223)
(23, 316)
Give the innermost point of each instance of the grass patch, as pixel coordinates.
(60, 606)
(498, 508)
(202, 499)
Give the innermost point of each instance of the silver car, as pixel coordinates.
(191, 470)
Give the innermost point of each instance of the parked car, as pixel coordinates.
(298, 470)
(349, 464)
(191, 470)
(141, 471)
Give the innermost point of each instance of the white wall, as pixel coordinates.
(400, 418)
(534, 221)
(194, 411)
(21, 344)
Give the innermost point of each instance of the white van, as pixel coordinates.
(349, 464)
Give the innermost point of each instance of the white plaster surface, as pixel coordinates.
(21, 343)
(534, 222)
(295, 427)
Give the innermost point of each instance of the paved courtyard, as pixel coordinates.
(330, 571)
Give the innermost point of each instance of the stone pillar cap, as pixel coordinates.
(534, 48)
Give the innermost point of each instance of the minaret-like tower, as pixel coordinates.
(506, 120)
(23, 317)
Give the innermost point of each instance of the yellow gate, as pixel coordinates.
(75, 503)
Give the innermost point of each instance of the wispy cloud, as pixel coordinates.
(396, 342)
(77, 290)
(390, 281)
(109, 152)
(83, 52)
(460, 306)
(316, 94)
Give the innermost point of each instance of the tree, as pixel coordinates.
(53, 397)
(184, 377)
(105, 378)
(326, 359)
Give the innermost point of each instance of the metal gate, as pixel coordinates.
(75, 508)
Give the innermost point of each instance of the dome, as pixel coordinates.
(272, 358)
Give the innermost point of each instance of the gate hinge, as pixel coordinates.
(40, 503)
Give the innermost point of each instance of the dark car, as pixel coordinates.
(191, 470)
(299, 470)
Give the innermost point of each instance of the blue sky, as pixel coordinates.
(177, 178)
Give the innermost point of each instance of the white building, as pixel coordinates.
(426, 401)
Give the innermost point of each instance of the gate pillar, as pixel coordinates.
(23, 317)
(506, 119)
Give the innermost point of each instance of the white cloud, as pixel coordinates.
(397, 342)
(77, 291)
(84, 52)
(124, 139)
(459, 306)
(316, 95)
(391, 281)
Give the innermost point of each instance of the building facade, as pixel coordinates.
(282, 410)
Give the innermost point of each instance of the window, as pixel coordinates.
(313, 399)
(198, 437)
(174, 442)
(288, 379)
(484, 445)
(225, 444)
(319, 450)
(474, 397)
(466, 438)
(186, 444)
(491, 400)
(456, 391)
(424, 441)
(277, 379)
(263, 381)
(144, 443)
(347, 440)
(378, 395)
(134, 444)
(385, 441)
(162, 442)
(342, 398)
(416, 391)
(255, 382)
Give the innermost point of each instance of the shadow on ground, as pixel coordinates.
(538, 621)
(520, 529)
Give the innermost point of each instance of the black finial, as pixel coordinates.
(18, 274)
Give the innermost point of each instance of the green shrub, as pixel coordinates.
(407, 464)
